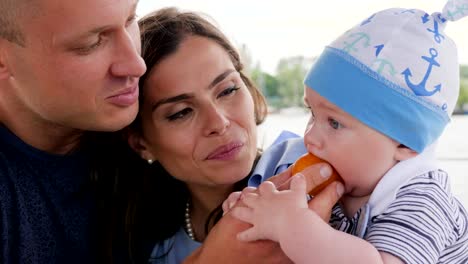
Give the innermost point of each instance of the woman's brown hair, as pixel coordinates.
(157, 206)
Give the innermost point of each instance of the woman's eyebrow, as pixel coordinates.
(220, 77)
(186, 96)
(173, 99)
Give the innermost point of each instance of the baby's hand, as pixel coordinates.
(268, 209)
(234, 197)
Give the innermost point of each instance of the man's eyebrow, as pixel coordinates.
(186, 96)
(98, 30)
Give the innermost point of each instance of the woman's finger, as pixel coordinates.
(323, 202)
(281, 178)
(314, 175)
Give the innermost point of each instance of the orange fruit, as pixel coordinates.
(307, 160)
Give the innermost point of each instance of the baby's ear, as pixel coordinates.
(404, 153)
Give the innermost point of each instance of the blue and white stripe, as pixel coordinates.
(424, 224)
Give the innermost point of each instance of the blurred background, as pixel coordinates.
(280, 40)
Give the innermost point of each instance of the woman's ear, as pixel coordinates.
(139, 145)
(404, 153)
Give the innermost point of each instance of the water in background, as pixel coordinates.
(452, 149)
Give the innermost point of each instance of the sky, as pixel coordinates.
(276, 29)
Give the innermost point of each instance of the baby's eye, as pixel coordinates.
(334, 124)
(310, 111)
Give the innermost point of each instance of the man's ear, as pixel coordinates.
(4, 68)
(139, 145)
(404, 153)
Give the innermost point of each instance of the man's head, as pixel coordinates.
(72, 64)
(8, 29)
(9, 12)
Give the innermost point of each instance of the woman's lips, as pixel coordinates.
(226, 152)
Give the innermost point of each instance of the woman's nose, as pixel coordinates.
(216, 121)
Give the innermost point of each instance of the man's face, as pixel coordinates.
(80, 64)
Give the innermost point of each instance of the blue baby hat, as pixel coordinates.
(397, 72)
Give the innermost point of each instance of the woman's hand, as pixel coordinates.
(323, 202)
(234, 197)
(270, 210)
(222, 245)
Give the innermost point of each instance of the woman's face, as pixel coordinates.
(198, 116)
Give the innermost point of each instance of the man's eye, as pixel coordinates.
(179, 115)
(334, 124)
(88, 49)
(131, 19)
(228, 91)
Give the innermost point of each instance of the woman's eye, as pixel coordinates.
(228, 91)
(179, 115)
(334, 124)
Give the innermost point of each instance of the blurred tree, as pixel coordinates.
(246, 58)
(462, 102)
(290, 73)
(464, 71)
(268, 84)
(286, 88)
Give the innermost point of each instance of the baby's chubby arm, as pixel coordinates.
(314, 176)
(222, 245)
(269, 210)
(284, 216)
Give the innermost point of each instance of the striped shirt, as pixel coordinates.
(424, 224)
(415, 218)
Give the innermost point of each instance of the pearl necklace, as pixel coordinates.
(188, 222)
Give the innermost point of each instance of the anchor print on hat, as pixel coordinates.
(396, 71)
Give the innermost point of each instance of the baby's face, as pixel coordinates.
(360, 154)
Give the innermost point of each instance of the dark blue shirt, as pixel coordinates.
(46, 205)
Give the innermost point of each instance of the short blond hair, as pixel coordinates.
(9, 28)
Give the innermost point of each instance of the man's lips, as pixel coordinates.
(226, 151)
(125, 97)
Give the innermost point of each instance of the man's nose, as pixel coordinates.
(128, 61)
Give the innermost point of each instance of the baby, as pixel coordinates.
(380, 96)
